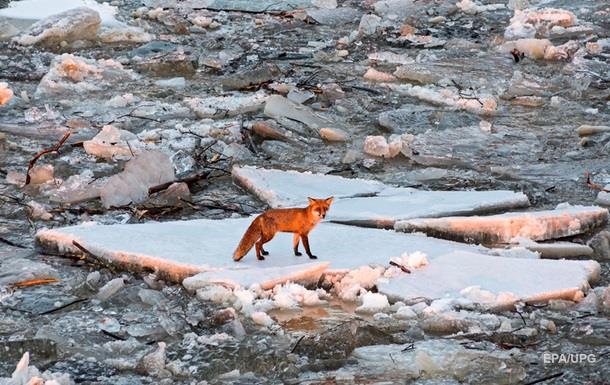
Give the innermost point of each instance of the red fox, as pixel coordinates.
(299, 221)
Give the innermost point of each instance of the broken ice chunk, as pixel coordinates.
(112, 143)
(278, 107)
(373, 303)
(41, 174)
(72, 75)
(471, 8)
(80, 23)
(557, 249)
(534, 225)
(369, 24)
(530, 22)
(110, 289)
(151, 168)
(374, 75)
(222, 106)
(262, 318)
(5, 93)
(378, 146)
(541, 49)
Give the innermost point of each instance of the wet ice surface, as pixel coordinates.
(528, 143)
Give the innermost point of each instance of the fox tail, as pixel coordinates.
(247, 241)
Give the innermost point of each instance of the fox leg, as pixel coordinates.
(306, 245)
(295, 244)
(265, 237)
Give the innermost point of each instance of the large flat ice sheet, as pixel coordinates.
(562, 222)
(493, 281)
(369, 203)
(183, 248)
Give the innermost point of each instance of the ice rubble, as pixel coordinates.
(71, 75)
(493, 281)
(30, 375)
(265, 277)
(532, 22)
(564, 221)
(440, 359)
(483, 105)
(367, 202)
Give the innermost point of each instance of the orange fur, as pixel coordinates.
(299, 221)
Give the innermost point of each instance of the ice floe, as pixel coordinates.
(370, 203)
(183, 248)
(564, 221)
(489, 281)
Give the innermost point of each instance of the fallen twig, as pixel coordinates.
(296, 344)
(93, 256)
(594, 186)
(408, 347)
(559, 374)
(188, 180)
(41, 153)
(63, 306)
(401, 267)
(6, 241)
(116, 337)
(34, 282)
(132, 116)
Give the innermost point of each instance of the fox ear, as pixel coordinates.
(311, 200)
(329, 200)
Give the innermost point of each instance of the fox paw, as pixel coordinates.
(265, 252)
(296, 253)
(313, 257)
(260, 257)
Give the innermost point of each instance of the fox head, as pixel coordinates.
(319, 207)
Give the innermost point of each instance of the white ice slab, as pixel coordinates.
(34, 10)
(493, 281)
(280, 188)
(184, 248)
(366, 202)
(562, 222)
(557, 249)
(395, 204)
